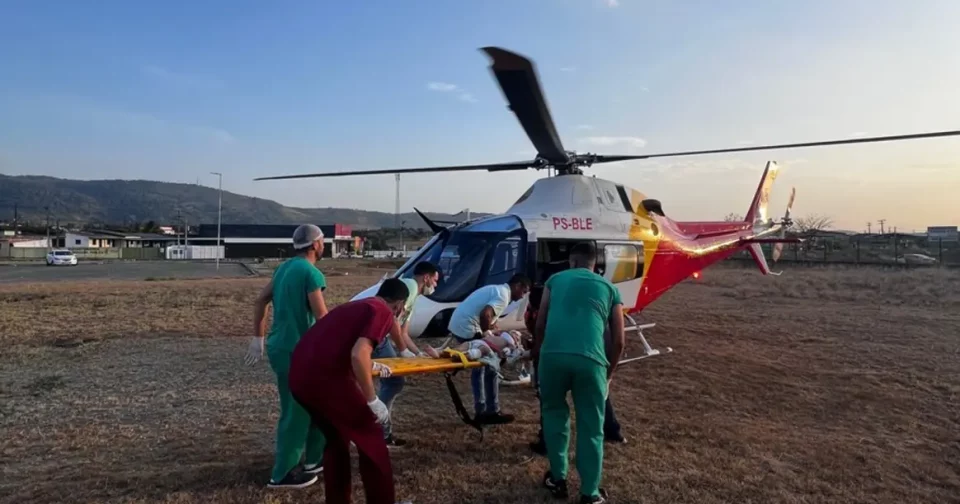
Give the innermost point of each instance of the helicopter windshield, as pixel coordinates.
(484, 253)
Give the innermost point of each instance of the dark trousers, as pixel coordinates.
(338, 408)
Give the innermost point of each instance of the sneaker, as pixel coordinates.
(313, 468)
(497, 418)
(558, 489)
(296, 479)
(597, 499)
(394, 442)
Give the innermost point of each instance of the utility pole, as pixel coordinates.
(47, 208)
(396, 211)
(219, 208)
(402, 249)
(868, 228)
(881, 221)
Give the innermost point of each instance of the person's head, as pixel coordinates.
(519, 286)
(394, 292)
(308, 241)
(583, 255)
(427, 275)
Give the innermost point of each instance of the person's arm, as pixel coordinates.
(541, 326)
(362, 364)
(396, 336)
(264, 298)
(617, 336)
(487, 318)
(315, 286)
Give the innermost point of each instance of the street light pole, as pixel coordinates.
(219, 209)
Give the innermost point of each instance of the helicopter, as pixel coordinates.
(641, 250)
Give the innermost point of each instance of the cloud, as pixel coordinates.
(180, 79)
(568, 69)
(446, 87)
(607, 141)
(645, 89)
(612, 3)
(441, 86)
(584, 127)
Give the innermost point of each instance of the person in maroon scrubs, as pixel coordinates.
(331, 377)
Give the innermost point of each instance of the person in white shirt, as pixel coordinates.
(473, 317)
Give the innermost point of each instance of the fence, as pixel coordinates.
(883, 250)
(39, 253)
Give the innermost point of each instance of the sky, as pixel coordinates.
(174, 90)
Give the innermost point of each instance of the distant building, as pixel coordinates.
(113, 239)
(943, 233)
(242, 241)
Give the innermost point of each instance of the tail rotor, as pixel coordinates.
(785, 224)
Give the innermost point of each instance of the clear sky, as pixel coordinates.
(173, 90)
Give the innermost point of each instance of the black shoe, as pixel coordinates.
(558, 489)
(296, 479)
(539, 447)
(599, 499)
(394, 442)
(615, 438)
(494, 418)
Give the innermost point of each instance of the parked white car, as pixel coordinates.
(61, 258)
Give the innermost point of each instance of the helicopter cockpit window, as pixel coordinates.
(499, 225)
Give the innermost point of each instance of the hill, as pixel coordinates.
(124, 202)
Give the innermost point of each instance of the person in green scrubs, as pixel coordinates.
(572, 357)
(296, 292)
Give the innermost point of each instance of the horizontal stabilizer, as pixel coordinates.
(771, 240)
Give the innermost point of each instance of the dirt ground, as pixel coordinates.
(822, 385)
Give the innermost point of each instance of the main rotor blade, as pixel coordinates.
(914, 136)
(521, 87)
(519, 165)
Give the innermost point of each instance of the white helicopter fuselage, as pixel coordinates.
(559, 209)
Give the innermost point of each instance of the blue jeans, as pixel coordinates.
(389, 387)
(486, 388)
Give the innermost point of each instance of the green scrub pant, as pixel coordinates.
(295, 430)
(586, 379)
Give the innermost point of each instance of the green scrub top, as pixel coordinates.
(411, 300)
(580, 304)
(292, 316)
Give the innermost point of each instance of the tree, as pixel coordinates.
(733, 217)
(813, 223)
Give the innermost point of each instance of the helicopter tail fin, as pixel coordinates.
(758, 207)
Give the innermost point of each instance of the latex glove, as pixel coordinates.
(406, 353)
(432, 352)
(383, 368)
(254, 351)
(380, 410)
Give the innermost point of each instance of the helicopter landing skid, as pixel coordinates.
(633, 326)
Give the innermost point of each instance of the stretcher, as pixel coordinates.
(450, 363)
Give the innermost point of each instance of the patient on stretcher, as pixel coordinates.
(491, 349)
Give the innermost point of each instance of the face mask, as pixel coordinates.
(427, 290)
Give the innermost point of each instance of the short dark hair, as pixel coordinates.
(584, 251)
(393, 289)
(425, 268)
(521, 279)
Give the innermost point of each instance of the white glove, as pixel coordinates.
(473, 354)
(254, 351)
(383, 368)
(406, 353)
(380, 410)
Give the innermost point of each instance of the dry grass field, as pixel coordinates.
(823, 385)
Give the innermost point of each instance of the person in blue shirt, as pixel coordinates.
(477, 314)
